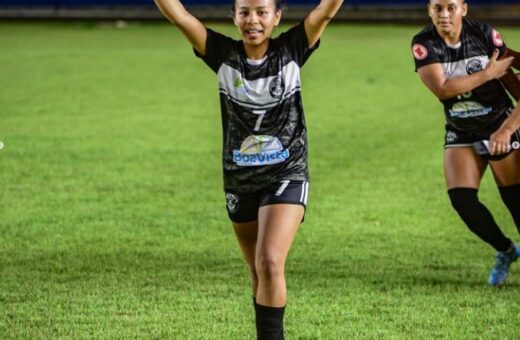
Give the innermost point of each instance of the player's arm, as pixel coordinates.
(318, 19)
(510, 79)
(499, 140)
(516, 55)
(433, 77)
(190, 26)
(511, 83)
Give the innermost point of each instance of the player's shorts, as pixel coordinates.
(458, 139)
(243, 208)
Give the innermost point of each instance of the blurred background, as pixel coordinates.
(397, 11)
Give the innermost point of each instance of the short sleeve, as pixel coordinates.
(423, 53)
(494, 40)
(295, 40)
(218, 47)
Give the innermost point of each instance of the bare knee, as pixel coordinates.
(269, 267)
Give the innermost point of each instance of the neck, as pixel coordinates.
(452, 37)
(255, 52)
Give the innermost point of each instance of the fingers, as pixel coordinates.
(508, 61)
(497, 68)
(496, 52)
(494, 148)
(498, 147)
(504, 65)
(502, 148)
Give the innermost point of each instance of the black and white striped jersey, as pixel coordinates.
(264, 135)
(483, 105)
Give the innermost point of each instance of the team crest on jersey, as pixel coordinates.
(260, 150)
(276, 87)
(232, 202)
(474, 65)
(451, 137)
(497, 39)
(419, 51)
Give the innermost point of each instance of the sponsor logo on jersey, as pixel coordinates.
(276, 87)
(468, 109)
(474, 65)
(260, 150)
(232, 202)
(497, 39)
(419, 51)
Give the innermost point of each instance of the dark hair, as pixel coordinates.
(279, 5)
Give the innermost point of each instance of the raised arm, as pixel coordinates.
(433, 77)
(190, 26)
(318, 19)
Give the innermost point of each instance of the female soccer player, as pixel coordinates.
(457, 59)
(265, 140)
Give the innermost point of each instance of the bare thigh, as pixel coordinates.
(463, 168)
(277, 226)
(246, 234)
(507, 171)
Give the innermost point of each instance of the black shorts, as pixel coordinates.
(457, 139)
(244, 207)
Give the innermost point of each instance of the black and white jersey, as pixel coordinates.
(483, 105)
(264, 135)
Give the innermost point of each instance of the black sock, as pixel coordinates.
(511, 197)
(269, 322)
(478, 218)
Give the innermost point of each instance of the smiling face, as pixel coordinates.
(447, 15)
(255, 20)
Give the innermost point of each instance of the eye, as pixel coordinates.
(452, 8)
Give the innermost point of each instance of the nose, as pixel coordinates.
(252, 18)
(445, 13)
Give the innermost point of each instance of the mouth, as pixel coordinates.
(253, 33)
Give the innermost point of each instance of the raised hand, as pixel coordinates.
(497, 68)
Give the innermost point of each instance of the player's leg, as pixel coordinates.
(463, 170)
(277, 226)
(507, 177)
(246, 234)
(243, 213)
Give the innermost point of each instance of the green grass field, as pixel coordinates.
(112, 215)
